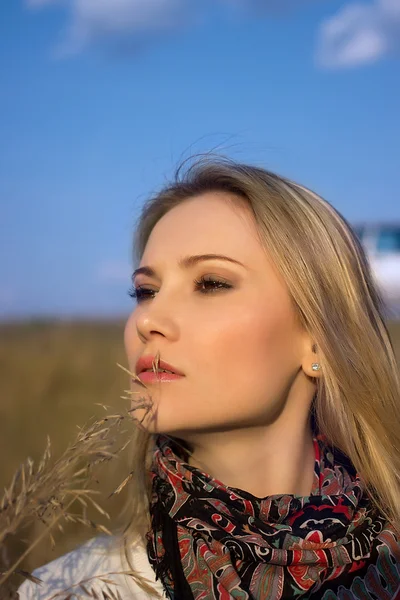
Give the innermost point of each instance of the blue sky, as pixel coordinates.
(101, 99)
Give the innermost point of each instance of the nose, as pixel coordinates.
(155, 320)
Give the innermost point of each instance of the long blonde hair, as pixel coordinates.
(357, 404)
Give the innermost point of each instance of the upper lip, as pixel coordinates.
(146, 362)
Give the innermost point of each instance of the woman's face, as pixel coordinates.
(240, 348)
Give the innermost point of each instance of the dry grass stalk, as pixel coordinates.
(48, 492)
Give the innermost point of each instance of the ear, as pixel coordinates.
(310, 363)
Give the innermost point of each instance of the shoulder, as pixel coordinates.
(98, 564)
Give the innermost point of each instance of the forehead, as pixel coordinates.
(211, 222)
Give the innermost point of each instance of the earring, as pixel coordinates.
(315, 366)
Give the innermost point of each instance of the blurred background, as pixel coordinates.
(100, 100)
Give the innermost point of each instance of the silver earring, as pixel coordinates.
(315, 366)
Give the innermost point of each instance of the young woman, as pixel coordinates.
(267, 463)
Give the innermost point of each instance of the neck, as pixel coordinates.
(277, 458)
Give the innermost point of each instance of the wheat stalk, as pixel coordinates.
(48, 491)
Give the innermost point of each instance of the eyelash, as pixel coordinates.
(140, 294)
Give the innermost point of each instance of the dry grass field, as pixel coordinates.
(52, 375)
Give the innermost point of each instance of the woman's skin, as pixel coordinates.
(244, 402)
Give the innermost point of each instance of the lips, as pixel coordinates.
(146, 362)
(160, 376)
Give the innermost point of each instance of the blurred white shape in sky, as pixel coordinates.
(91, 20)
(125, 14)
(381, 243)
(359, 33)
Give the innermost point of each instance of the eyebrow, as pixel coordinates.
(187, 262)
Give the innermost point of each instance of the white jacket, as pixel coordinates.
(99, 556)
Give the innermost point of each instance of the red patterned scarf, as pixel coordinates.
(209, 541)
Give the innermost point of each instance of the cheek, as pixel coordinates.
(251, 344)
(130, 340)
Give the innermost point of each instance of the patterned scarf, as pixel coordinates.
(209, 541)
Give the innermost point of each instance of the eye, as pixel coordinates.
(210, 284)
(204, 285)
(139, 293)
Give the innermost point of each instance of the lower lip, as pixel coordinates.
(151, 377)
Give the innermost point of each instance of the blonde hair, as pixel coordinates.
(334, 294)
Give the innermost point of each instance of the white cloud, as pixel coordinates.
(362, 31)
(91, 20)
(359, 34)
(130, 22)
